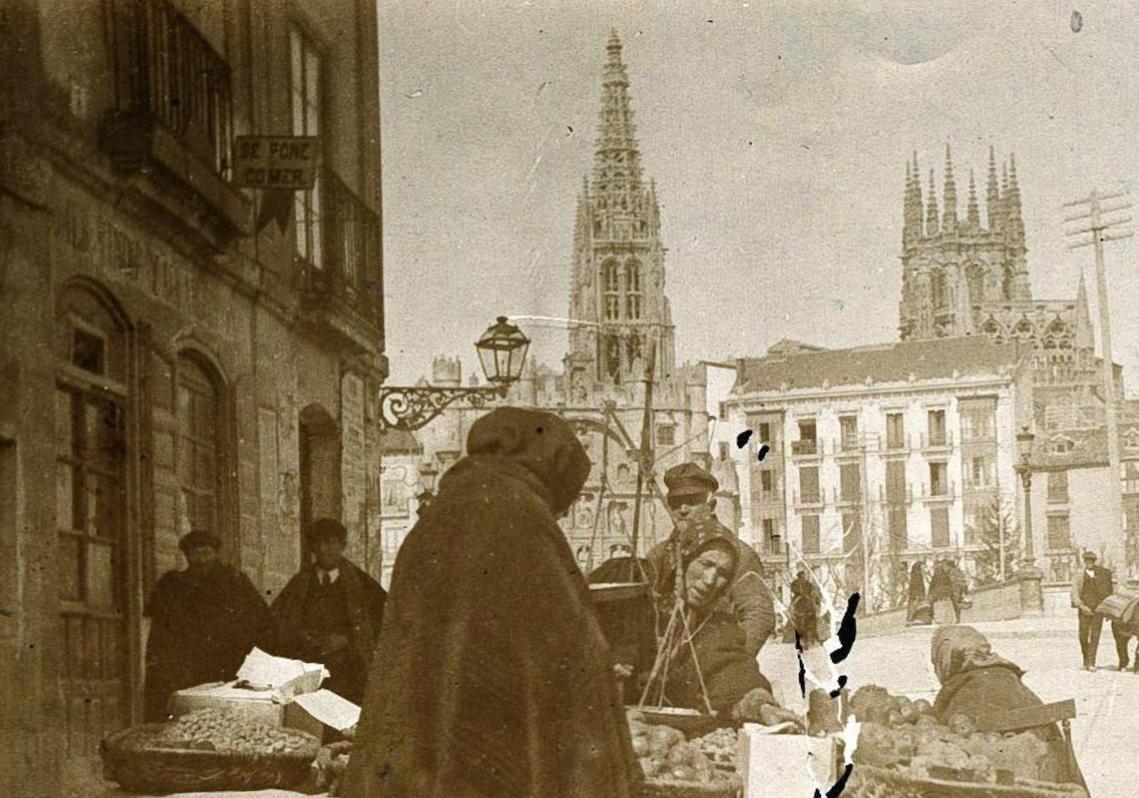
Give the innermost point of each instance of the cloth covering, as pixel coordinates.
(364, 602)
(202, 626)
(491, 677)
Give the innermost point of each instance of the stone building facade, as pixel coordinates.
(965, 277)
(176, 352)
(619, 316)
(877, 456)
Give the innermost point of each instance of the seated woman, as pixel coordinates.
(715, 654)
(976, 681)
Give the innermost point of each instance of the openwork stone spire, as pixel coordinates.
(617, 158)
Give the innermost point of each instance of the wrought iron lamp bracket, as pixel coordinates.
(410, 408)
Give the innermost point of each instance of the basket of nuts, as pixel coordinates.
(209, 749)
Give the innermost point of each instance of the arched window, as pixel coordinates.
(199, 403)
(90, 569)
(975, 278)
(611, 285)
(633, 289)
(937, 289)
(613, 357)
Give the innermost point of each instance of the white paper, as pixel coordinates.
(287, 676)
(330, 709)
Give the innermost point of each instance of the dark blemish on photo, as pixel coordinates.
(847, 630)
(840, 785)
(841, 684)
(1077, 22)
(743, 438)
(763, 450)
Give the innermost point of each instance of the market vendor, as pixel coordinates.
(203, 621)
(976, 681)
(330, 612)
(692, 502)
(491, 676)
(715, 660)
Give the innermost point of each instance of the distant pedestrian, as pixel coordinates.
(804, 609)
(1089, 587)
(942, 594)
(917, 608)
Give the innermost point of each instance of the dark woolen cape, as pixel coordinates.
(730, 672)
(365, 603)
(491, 677)
(202, 626)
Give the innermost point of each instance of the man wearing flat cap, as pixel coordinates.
(692, 500)
(1090, 586)
(330, 612)
(203, 621)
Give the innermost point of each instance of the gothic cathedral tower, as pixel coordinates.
(954, 270)
(617, 293)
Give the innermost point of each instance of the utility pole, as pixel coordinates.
(1096, 225)
(646, 457)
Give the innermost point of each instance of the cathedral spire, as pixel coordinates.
(911, 209)
(949, 217)
(973, 213)
(918, 207)
(931, 227)
(993, 194)
(617, 158)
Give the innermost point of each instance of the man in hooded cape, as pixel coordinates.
(492, 678)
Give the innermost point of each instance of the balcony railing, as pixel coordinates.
(895, 499)
(349, 269)
(807, 499)
(946, 492)
(805, 448)
(1061, 564)
(936, 440)
(1131, 486)
(167, 72)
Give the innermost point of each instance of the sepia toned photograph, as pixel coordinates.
(590, 399)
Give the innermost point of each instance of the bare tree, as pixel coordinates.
(998, 533)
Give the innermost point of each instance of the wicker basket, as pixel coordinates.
(727, 786)
(871, 782)
(692, 723)
(139, 768)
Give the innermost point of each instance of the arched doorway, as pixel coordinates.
(320, 490)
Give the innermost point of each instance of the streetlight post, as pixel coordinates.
(1024, 440)
(502, 352)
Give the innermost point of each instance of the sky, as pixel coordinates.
(777, 135)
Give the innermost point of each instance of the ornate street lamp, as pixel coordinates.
(427, 474)
(502, 352)
(1023, 467)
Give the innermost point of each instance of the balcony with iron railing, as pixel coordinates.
(171, 114)
(895, 498)
(806, 449)
(340, 284)
(946, 492)
(936, 440)
(813, 499)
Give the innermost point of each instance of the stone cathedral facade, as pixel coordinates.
(619, 317)
(965, 276)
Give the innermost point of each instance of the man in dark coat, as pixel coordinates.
(330, 613)
(691, 498)
(804, 609)
(1089, 587)
(491, 676)
(203, 621)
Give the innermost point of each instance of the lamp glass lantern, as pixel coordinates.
(502, 352)
(1024, 440)
(427, 474)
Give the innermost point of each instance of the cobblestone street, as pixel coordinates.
(1047, 648)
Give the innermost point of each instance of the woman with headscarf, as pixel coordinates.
(491, 675)
(942, 594)
(709, 657)
(975, 680)
(917, 608)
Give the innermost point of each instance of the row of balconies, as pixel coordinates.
(833, 497)
(855, 446)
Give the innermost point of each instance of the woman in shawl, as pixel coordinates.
(710, 657)
(491, 675)
(942, 595)
(916, 605)
(975, 680)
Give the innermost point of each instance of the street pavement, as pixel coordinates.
(1104, 731)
